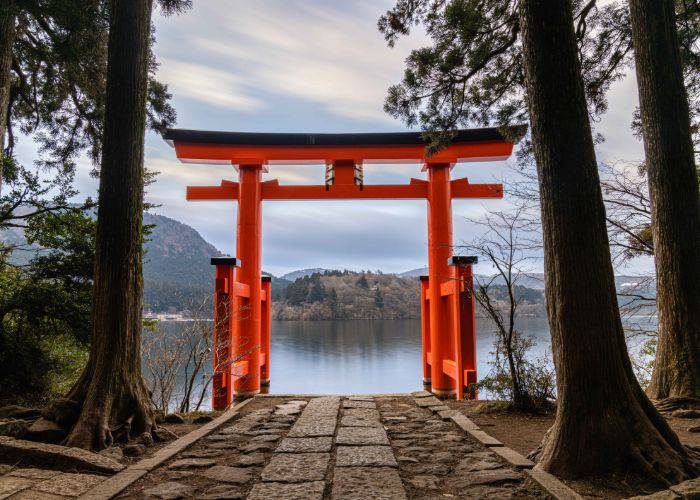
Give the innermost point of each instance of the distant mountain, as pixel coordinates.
(414, 273)
(177, 273)
(178, 276)
(301, 273)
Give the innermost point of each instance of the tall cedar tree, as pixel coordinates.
(604, 422)
(675, 206)
(111, 391)
(7, 34)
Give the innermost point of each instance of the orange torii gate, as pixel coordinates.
(242, 340)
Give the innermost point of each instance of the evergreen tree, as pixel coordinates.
(378, 300)
(674, 200)
(111, 391)
(362, 282)
(317, 292)
(598, 393)
(333, 302)
(473, 73)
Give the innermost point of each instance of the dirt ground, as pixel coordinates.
(524, 432)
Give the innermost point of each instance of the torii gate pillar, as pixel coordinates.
(439, 252)
(247, 332)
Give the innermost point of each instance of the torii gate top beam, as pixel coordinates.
(239, 148)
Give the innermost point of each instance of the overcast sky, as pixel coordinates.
(311, 66)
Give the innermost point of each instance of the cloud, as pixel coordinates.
(322, 52)
(207, 85)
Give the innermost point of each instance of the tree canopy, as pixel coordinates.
(472, 73)
(59, 61)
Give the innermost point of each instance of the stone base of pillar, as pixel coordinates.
(245, 395)
(444, 393)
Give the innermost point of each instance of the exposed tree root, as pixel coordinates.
(115, 408)
(677, 403)
(653, 450)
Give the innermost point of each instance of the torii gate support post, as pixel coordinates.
(247, 333)
(265, 330)
(464, 320)
(222, 357)
(439, 252)
(425, 327)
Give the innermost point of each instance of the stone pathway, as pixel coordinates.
(41, 484)
(341, 448)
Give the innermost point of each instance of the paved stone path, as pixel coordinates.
(40, 484)
(341, 448)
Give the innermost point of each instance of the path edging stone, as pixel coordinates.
(552, 485)
(119, 482)
(513, 457)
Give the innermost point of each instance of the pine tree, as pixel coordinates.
(333, 302)
(53, 62)
(317, 292)
(378, 300)
(362, 282)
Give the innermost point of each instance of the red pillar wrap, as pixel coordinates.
(465, 329)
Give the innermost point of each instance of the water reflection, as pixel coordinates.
(376, 356)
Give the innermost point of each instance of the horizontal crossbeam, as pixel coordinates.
(416, 190)
(404, 147)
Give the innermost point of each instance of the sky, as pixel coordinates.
(311, 66)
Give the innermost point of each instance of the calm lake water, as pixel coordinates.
(363, 357)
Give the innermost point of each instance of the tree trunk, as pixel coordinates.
(7, 38)
(604, 422)
(673, 192)
(111, 390)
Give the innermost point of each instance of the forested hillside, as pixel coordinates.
(348, 295)
(351, 295)
(176, 270)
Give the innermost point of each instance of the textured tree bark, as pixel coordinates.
(673, 193)
(111, 390)
(604, 422)
(7, 38)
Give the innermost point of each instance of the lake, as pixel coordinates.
(362, 357)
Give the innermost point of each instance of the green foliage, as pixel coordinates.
(317, 292)
(643, 361)
(347, 295)
(362, 282)
(296, 293)
(59, 69)
(45, 307)
(472, 73)
(378, 300)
